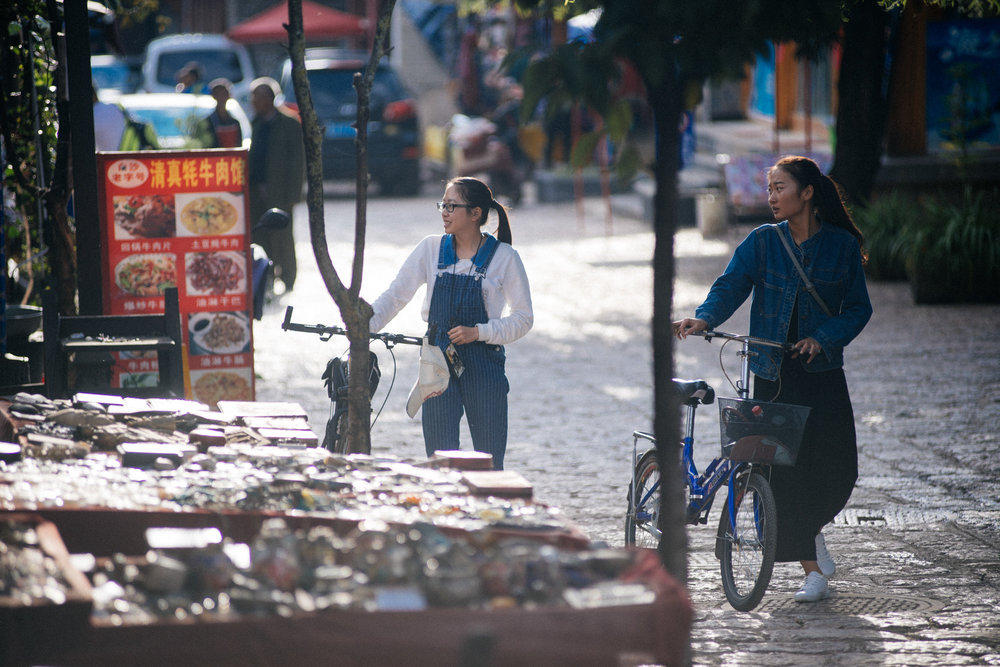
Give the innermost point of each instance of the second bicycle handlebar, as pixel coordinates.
(753, 340)
(326, 332)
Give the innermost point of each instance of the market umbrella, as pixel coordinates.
(318, 22)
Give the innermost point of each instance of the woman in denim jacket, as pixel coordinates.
(828, 246)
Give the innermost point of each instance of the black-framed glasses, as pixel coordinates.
(450, 207)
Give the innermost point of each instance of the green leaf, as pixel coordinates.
(619, 120)
(629, 161)
(583, 150)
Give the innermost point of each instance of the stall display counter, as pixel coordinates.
(637, 615)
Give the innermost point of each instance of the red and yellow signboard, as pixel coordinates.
(180, 219)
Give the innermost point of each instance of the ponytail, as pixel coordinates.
(479, 195)
(828, 197)
(503, 222)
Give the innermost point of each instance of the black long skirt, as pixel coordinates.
(813, 491)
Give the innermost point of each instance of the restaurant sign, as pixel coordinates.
(179, 219)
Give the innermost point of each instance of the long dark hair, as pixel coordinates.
(478, 194)
(828, 197)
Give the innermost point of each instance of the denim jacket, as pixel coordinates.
(832, 260)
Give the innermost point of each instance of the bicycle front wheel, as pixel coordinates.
(642, 520)
(335, 439)
(748, 542)
(340, 434)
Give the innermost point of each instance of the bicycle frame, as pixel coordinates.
(746, 538)
(702, 485)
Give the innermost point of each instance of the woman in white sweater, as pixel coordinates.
(478, 300)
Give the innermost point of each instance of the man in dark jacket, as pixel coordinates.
(276, 172)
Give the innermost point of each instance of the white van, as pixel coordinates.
(217, 55)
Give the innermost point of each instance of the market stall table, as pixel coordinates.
(373, 560)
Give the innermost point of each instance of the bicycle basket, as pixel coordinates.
(761, 432)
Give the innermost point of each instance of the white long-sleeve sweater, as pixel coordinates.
(505, 291)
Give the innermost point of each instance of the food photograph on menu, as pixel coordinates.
(144, 216)
(146, 274)
(219, 332)
(228, 384)
(210, 214)
(215, 273)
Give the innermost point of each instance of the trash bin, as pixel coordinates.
(712, 213)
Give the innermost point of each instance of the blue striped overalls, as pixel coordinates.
(457, 300)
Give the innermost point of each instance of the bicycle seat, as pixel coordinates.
(693, 392)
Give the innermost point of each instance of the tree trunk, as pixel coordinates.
(861, 116)
(63, 262)
(666, 425)
(355, 312)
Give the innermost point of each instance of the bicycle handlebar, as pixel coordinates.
(753, 340)
(326, 332)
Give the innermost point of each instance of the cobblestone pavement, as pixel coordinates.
(918, 547)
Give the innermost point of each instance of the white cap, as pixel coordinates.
(432, 380)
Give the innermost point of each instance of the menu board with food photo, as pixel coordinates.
(178, 219)
(209, 215)
(144, 216)
(221, 384)
(219, 333)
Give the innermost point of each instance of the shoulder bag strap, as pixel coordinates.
(802, 274)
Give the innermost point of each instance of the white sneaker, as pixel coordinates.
(813, 589)
(823, 557)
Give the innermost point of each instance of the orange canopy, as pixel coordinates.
(319, 23)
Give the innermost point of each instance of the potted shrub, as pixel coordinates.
(954, 250)
(884, 223)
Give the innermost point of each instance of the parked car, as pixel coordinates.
(114, 76)
(174, 116)
(394, 147)
(217, 55)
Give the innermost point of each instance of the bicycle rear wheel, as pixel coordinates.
(749, 542)
(642, 519)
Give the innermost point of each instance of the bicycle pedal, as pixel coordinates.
(694, 519)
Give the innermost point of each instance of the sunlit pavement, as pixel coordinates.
(917, 549)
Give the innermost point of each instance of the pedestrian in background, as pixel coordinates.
(276, 172)
(116, 130)
(219, 129)
(477, 301)
(809, 289)
(189, 79)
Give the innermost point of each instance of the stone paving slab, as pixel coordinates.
(918, 547)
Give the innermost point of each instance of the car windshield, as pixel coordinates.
(215, 63)
(112, 77)
(333, 91)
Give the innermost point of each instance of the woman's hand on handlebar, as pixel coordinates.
(806, 346)
(689, 325)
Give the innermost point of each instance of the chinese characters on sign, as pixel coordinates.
(179, 219)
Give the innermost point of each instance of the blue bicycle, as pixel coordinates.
(755, 435)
